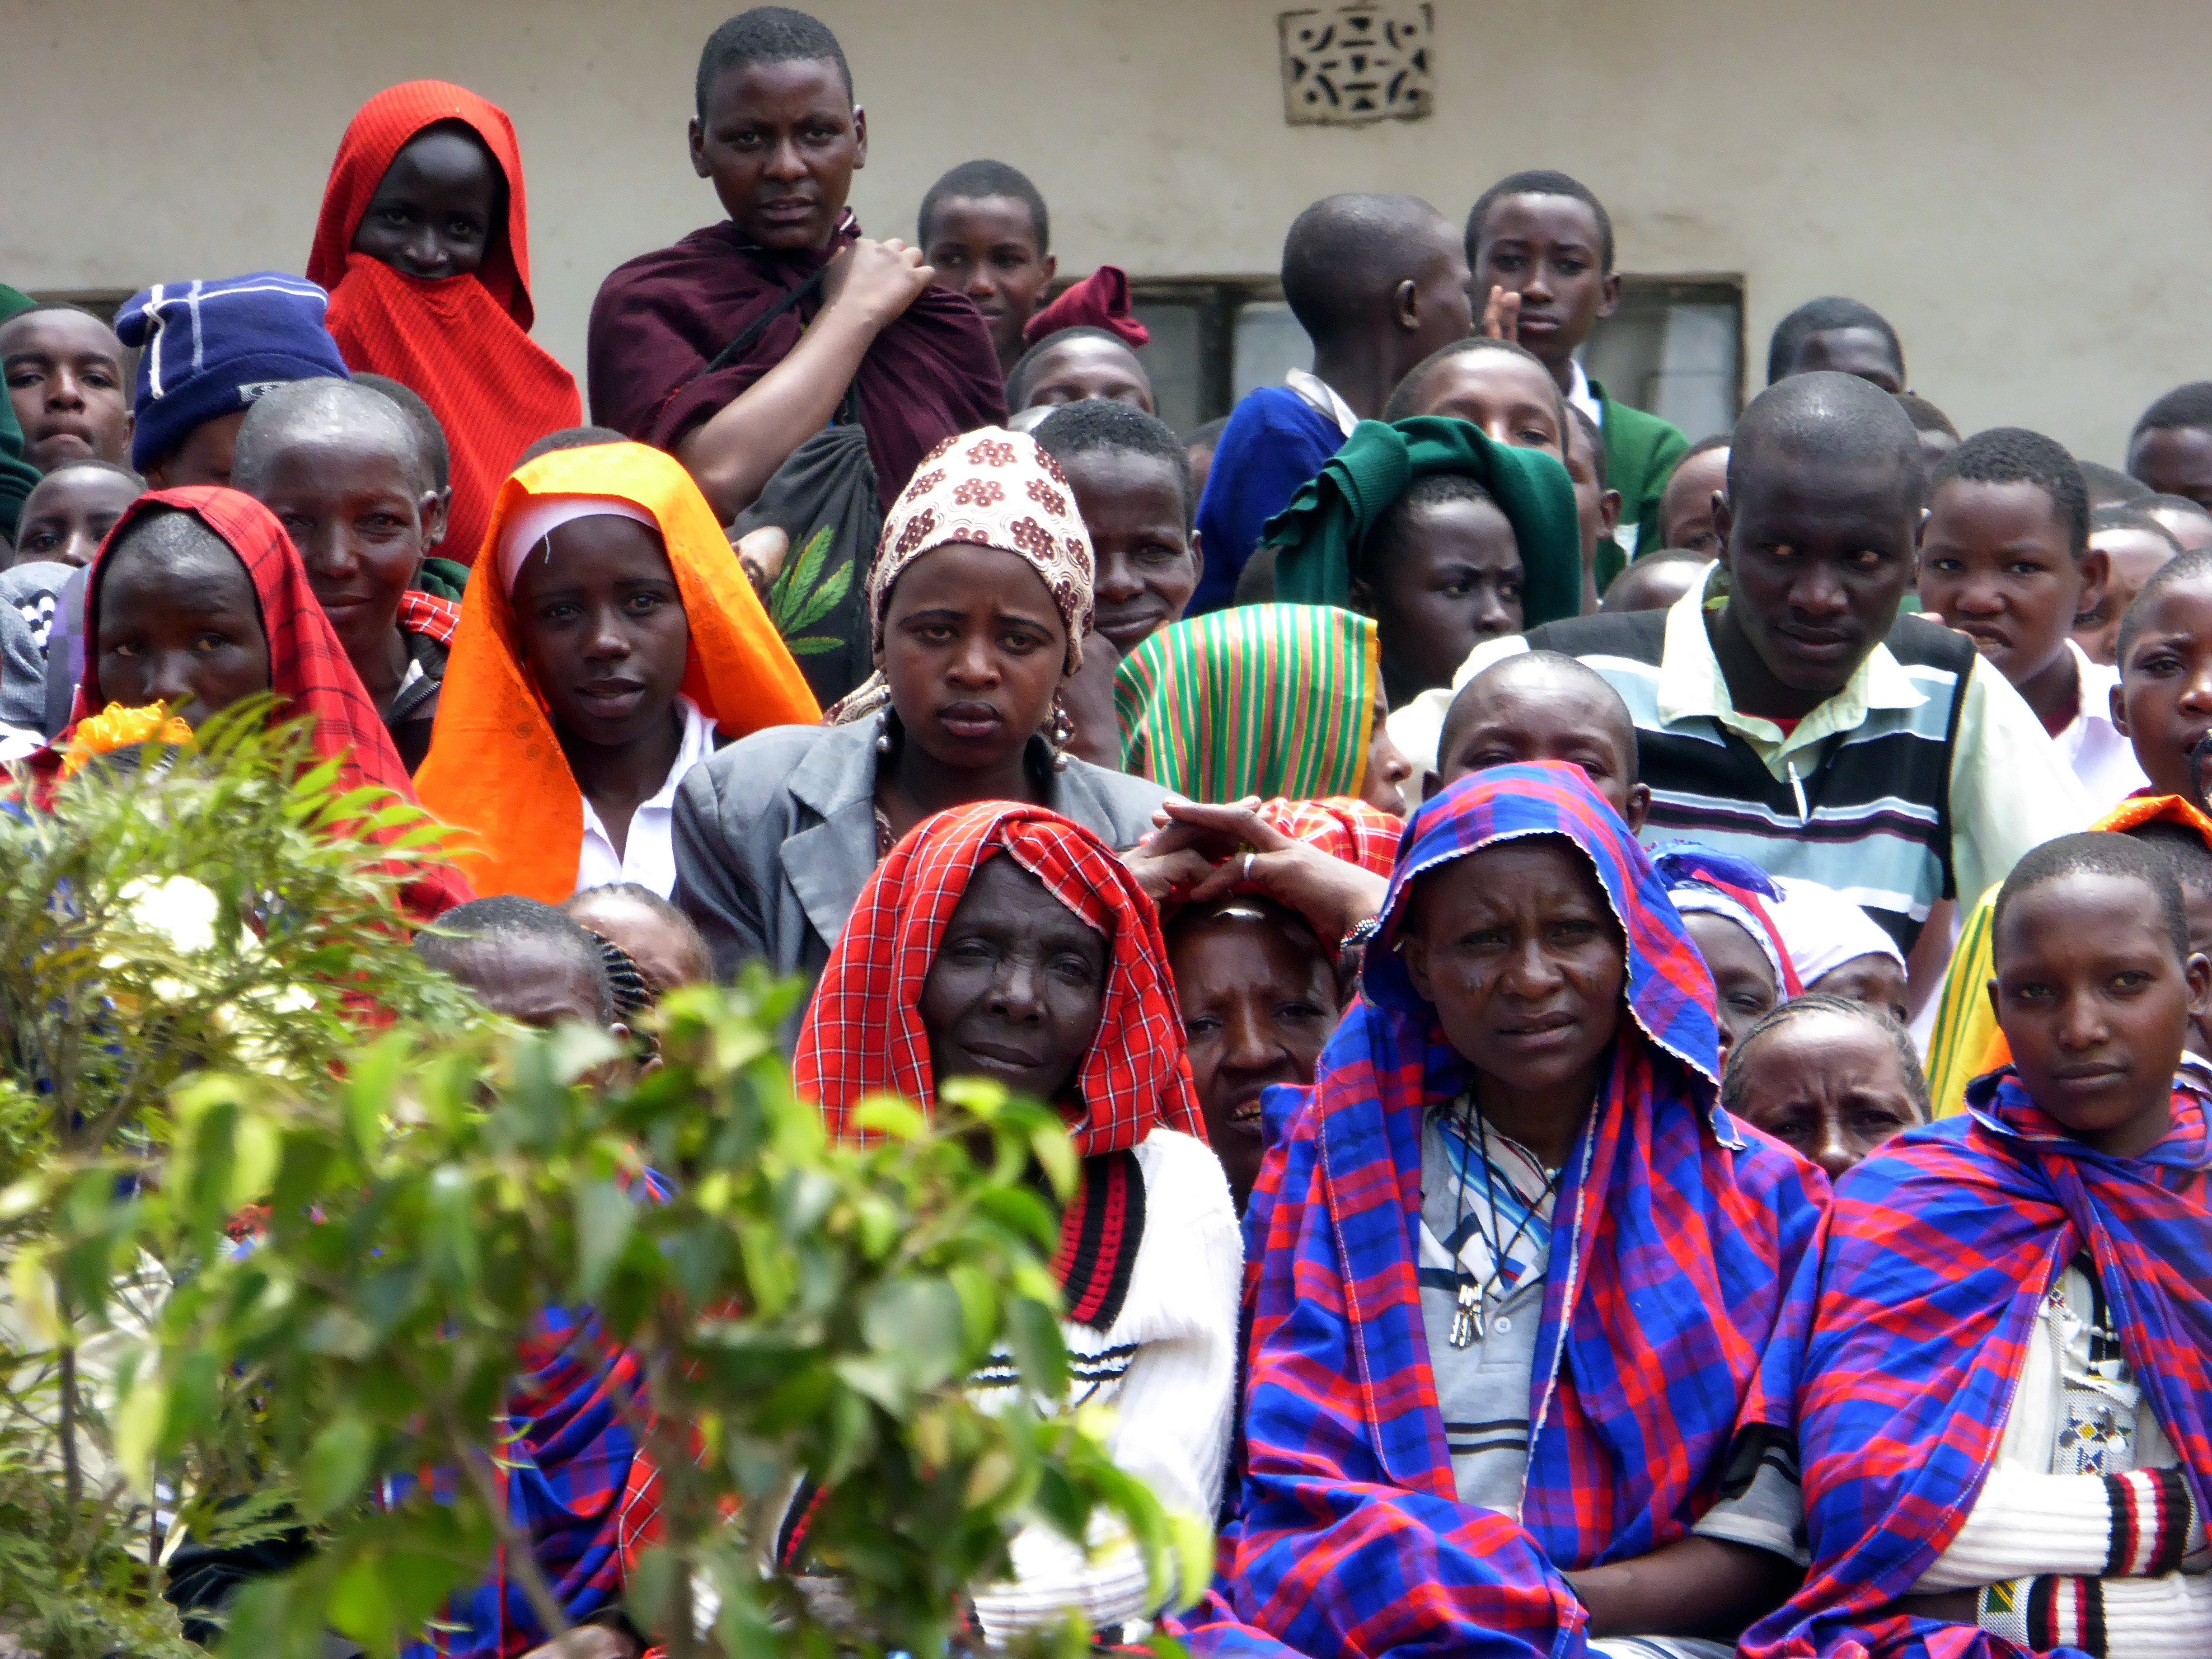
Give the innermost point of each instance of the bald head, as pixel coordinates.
(326, 411)
(1346, 258)
(1828, 420)
(1542, 706)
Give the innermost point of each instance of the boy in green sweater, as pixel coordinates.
(1541, 246)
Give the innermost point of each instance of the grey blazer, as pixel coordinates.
(775, 834)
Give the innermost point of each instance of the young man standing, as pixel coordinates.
(1804, 724)
(1377, 283)
(1540, 245)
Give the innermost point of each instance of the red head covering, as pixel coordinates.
(864, 1034)
(1342, 828)
(1099, 300)
(379, 132)
(462, 342)
(308, 669)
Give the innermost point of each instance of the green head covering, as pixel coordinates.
(1276, 701)
(17, 475)
(1337, 510)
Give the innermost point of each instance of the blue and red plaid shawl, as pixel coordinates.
(574, 1414)
(1668, 1323)
(1939, 1249)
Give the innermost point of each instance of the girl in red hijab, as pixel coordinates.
(197, 599)
(424, 246)
(1006, 941)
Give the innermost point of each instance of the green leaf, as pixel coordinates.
(360, 1604)
(918, 1325)
(813, 645)
(336, 1467)
(1033, 1334)
(605, 1217)
(826, 597)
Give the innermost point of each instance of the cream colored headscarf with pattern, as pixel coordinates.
(990, 488)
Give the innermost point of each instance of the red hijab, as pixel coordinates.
(463, 342)
(864, 1034)
(308, 669)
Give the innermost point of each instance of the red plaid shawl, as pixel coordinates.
(1348, 829)
(864, 1034)
(1941, 1245)
(429, 614)
(1673, 1315)
(308, 669)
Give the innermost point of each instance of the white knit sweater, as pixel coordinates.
(1167, 1365)
(2029, 1522)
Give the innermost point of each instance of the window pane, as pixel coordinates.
(1269, 344)
(1172, 360)
(1672, 348)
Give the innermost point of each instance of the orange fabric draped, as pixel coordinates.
(496, 766)
(462, 342)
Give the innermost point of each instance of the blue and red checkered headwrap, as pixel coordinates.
(1941, 1246)
(1670, 1334)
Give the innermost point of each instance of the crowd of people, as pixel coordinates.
(1635, 1014)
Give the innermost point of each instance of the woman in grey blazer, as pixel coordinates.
(979, 597)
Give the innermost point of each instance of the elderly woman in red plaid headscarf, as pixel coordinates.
(1006, 942)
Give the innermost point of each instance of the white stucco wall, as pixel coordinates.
(2018, 184)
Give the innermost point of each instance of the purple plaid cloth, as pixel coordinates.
(1682, 1253)
(1940, 1247)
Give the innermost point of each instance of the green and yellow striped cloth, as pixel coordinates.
(1276, 700)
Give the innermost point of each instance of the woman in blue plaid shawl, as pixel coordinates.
(1530, 1304)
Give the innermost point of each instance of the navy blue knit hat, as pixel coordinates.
(210, 349)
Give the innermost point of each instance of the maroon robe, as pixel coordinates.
(663, 316)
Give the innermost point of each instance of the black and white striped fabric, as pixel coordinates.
(1866, 812)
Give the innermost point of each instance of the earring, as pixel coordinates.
(884, 732)
(1063, 732)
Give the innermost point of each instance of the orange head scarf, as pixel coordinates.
(496, 766)
(462, 343)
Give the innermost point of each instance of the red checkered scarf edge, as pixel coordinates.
(428, 615)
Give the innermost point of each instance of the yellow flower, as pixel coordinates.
(116, 727)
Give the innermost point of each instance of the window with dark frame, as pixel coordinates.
(1673, 347)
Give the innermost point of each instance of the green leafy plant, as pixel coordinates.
(801, 596)
(176, 912)
(433, 1194)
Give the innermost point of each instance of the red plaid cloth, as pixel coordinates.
(308, 669)
(1348, 829)
(864, 1034)
(429, 614)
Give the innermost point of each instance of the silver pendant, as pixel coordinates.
(1463, 1321)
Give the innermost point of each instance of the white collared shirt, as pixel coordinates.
(2101, 758)
(2010, 790)
(649, 854)
(1323, 396)
(1580, 395)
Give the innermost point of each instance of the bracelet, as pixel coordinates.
(1363, 931)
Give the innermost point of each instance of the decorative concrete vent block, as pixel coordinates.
(1344, 66)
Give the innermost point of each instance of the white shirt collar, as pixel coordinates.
(649, 854)
(1580, 395)
(1323, 396)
